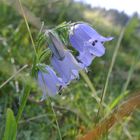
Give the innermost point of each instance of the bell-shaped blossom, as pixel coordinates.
(87, 41)
(86, 58)
(49, 82)
(68, 68)
(63, 61)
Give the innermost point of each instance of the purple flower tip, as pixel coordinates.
(57, 46)
(49, 82)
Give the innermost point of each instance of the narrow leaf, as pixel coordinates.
(11, 126)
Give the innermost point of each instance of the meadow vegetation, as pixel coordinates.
(113, 78)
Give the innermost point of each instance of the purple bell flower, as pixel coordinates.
(49, 82)
(87, 42)
(63, 61)
(68, 68)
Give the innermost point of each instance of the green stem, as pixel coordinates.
(60, 136)
(23, 103)
(110, 70)
(50, 101)
(27, 25)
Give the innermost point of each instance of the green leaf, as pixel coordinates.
(11, 126)
(23, 102)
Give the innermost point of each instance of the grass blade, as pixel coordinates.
(110, 69)
(23, 103)
(11, 126)
(10, 78)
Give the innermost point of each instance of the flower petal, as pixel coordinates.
(88, 31)
(98, 49)
(105, 39)
(83, 33)
(67, 67)
(86, 58)
(49, 82)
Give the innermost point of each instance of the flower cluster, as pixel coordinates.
(64, 66)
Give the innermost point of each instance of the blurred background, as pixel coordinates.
(76, 109)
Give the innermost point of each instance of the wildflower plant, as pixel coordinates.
(62, 66)
(61, 56)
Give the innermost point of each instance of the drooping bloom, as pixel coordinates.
(87, 42)
(63, 61)
(49, 82)
(68, 68)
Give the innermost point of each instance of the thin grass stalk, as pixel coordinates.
(14, 75)
(124, 89)
(110, 70)
(90, 85)
(58, 128)
(130, 73)
(88, 81)
(27, 25)
(23, 103)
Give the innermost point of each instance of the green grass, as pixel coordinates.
(85, 102)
